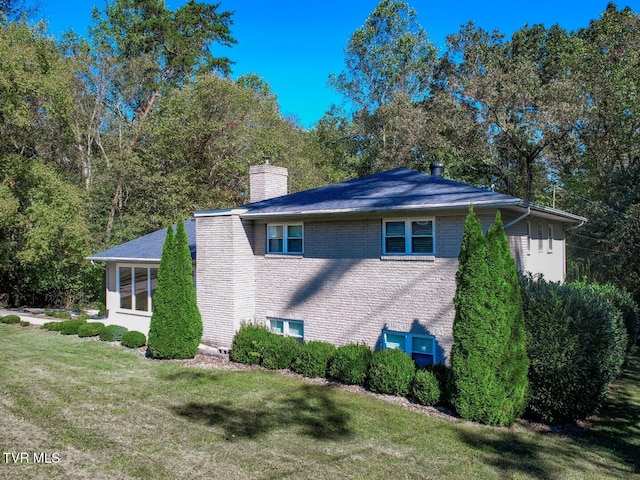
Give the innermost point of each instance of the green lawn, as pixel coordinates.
(108, 413)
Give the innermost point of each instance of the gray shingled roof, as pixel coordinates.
(398, 189)
(146, 248)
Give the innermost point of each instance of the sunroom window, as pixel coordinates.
(285, 238)
(136, 286)
(414, 236)
(421, 348)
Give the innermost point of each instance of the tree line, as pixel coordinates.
(112, 136)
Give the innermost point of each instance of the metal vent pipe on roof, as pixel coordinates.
(437, 169)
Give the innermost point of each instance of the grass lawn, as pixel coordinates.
(104, 412)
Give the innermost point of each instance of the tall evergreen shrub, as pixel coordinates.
(513, 366)
(488, 358)
(176, 325)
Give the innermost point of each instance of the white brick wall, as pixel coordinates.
(341, 287)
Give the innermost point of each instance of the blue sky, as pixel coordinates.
(295, 44)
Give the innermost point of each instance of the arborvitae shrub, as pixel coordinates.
(576, 346)
(176, 325)
(313, 359)
(133, 339)
(443, 375)
(248, 343)
(350, 364)
(53, 326)
(90, 329)
(391, 372)
(9, 319)
(112, 333)
(70, 327)
(278, 352)
(425, 388)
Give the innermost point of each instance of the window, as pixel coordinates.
(540, 238)
(408, 237)
(421, 348)
(550, 240)
(285, 238)
(288, 328)
(136, 286)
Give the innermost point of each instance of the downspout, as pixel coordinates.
(521, 217)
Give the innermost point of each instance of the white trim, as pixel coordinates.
(408, 223)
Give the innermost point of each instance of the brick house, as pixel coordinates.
(370, 260)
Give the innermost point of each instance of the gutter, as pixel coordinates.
(521, 217)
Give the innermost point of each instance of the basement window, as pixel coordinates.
(288, 328)
(421, 348)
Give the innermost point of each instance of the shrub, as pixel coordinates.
(70, 327)
(176, 325)
(425, 388)
(391, 372)
(313, 359)
(90, 329)
(489, 357)
(10, 319)
(278, 352)
(52, 326)
(248, 343)
(112, 333)
(83, 316)
(62, 315)
(443, 376)
(576, 345)
(133, 339)
(24, 323)
(49, 313)
(350, 364)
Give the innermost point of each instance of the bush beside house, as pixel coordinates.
(577, 344)
(176, 325)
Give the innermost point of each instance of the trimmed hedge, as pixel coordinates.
(425, 388)
(577, 344)
(248, 343)
(133, 339)
(351, 364)
(52, 326)
(443, 376)
(112, 333)
(70, 327)
(390, 372)
(278, 352)
(10, 319)
(313, 359)
(90, 329)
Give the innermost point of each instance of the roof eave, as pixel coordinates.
(123, 259)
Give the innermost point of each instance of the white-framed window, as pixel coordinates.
(421, 348)
(286, 327)
(136, 287)
(410, 236)
(550, 239)
(285, 238)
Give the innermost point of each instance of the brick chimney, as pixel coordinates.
(267, 181)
